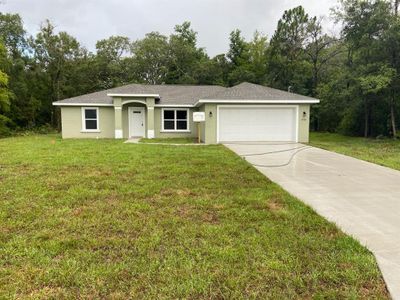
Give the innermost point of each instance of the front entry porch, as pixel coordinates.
(134, 117)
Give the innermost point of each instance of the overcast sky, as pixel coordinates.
(92, 20)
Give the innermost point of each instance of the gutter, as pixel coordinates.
(246, 101)
(81, 104)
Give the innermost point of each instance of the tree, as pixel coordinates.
(320, 49)
(365, 23)
(184, 56)
(53, 54)
(239, 59)
(22, 109)
(150, 58)
(112, 62)
(12, 34)
(238, 53)
(392, 46)
(5, 94)
(287, 66)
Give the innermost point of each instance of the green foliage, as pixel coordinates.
(288, 68)
(150, 58)
(12, 34)
(366, 26)
(111, 62)
(5, 94)
(355, 75)
(375, 83)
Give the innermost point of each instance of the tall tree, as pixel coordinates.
(320, 49)
(365, 23)
(53, 54)
(184, 55)
(112, 62)
(287, 67)
(150, 58)
(239, 59)
(12, 34)
(5, 94)
(392, 45)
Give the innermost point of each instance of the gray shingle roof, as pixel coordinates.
(250, 91)
(188, 94)
(169, 94)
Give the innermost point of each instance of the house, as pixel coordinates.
(245, 112)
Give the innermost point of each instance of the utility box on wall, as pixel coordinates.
(199, 116)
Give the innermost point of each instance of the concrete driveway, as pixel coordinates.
(362, 198)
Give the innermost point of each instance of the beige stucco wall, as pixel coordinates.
(210, 126)
(304, 123)
(71, 123)
(158, 128)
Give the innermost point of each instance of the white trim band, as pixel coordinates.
(81, 104)
(246, 101)
(174, 105)
(134, 95)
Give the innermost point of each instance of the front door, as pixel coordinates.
(136, 121)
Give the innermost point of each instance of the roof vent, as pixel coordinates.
(289, 89)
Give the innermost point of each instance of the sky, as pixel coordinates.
(92, 20)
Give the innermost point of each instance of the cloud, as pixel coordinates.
(92, 20)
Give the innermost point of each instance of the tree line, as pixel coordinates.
(355, 74)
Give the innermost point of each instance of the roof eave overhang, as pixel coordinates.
(81, 104)
(133, 95)
(249, 101)
(174, 105)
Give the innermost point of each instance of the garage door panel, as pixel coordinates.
(257, 124)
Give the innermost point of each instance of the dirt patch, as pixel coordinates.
(275, 206)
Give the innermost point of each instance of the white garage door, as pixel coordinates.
(252, 123)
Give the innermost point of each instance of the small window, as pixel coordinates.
(175, 120)
(90, 120)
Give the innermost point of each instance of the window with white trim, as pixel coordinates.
(175, 119)
(90, 118)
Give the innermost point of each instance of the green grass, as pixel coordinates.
(385, 152)
(170, 140)
(102, 219)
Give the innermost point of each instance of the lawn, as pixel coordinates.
(385, 152)
(102, 219)
(170, 140)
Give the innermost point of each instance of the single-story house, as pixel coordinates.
(245, 112)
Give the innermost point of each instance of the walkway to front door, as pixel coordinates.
(136, 121)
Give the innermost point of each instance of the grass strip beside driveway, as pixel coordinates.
(384, 152)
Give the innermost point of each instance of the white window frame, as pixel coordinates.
(175, 109)
(84, 119)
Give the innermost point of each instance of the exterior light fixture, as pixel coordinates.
(210, 114)
(304, 114)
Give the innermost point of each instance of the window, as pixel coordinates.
(90, 119)
(175, 119)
